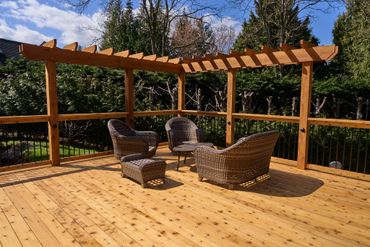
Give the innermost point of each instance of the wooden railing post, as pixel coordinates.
(305, 106)
(129, 96)
(230, 108)
(181, 93)
(52, 108)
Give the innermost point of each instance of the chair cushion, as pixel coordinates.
(140, 164)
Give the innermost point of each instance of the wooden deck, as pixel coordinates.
(87, 203)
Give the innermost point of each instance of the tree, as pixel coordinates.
(112, 25)
(122, 29)
(272, 23)
(157, 16)
(192, 38)
(351, 34)
(224, 38)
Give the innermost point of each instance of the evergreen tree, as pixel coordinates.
(206, 38)
(123, 29)
(274, 22)
(351, 34)
(112, 25)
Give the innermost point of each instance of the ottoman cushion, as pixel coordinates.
(142, 169)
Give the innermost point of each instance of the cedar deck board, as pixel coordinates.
(92, 205)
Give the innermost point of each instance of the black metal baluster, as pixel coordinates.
(358, 149)
(289, 139)
(344, 151)
(330, 143)
(317, 145)
(337, 146)
(366, 151)
(351, 151)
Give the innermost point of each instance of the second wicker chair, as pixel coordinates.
(180, 130)
(126, 140)
(247, 159)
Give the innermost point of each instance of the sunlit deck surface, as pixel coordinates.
(87, 203)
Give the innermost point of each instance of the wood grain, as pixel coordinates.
(305, 106)
(230, 108)
(88, 203)
(52, 108)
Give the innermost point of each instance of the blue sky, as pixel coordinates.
(34, 21)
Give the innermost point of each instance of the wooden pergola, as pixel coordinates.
(306, 55)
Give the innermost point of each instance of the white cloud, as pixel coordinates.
(9, 4)
(227, 21)
(226, 30)
(70, 25)
(21, 33)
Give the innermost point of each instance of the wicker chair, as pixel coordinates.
(180, 130)
(129, 141)
(247, 159)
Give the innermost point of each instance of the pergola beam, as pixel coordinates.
(117, 60)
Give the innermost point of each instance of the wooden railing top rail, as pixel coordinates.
(155, 113)
(346, 123)
(275, 118)
(89, 116)
(204, 113)
(24, 119)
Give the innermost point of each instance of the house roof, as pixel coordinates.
(9, 49)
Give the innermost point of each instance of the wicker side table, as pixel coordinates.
(142, 169)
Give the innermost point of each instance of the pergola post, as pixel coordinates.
(129, 96)
(181, 92)
(52, 108)
(305, 106)
(230, 108)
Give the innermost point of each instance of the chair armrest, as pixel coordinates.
(207, 156)
(171, 139)
(150, 136)
(131, 157)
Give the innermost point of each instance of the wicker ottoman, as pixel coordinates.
(141, 169)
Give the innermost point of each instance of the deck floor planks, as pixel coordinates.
(178, 214)
(33, 218)
(259, 216)
(20, 227)
(66, 218)
(96, 217)
(293, 210)
(96, 202)
(99, 179)
(77, 221)
(92, 205)
(199, 221)
(7, 234)
(116, 205)
(63, 236)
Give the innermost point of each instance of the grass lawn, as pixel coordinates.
(39, 150)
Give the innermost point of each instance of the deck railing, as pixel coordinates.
(344, 144)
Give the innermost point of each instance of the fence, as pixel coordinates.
(342, 144)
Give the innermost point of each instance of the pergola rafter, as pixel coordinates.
(306, 55)
(287, 55)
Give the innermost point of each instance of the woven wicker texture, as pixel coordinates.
(247, 159)
(142, 169)
(180, 130)
(129, 141)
